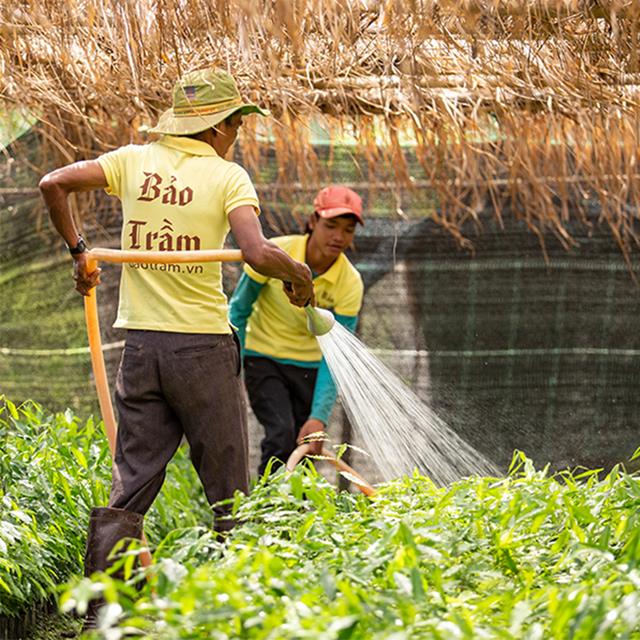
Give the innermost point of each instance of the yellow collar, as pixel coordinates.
(188, 145)
(299, 252)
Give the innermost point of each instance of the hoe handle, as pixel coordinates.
(164, 257)
(97, 362)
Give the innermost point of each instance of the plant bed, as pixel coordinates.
(53, 469)
(527, 556)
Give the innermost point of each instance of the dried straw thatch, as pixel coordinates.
(532, 100)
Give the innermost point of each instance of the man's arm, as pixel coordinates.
(241, 305)
(267, 258)
(55, 188)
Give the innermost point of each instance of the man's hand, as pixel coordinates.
(269, 259)
(312, 433)
(300, 294)
(84, 280)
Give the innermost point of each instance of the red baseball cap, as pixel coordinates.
(337, 200)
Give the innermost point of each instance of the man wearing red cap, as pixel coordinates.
(288, 382)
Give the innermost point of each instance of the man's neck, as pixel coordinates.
(209, 138)
(316, 261)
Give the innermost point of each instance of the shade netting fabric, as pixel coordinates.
(515, 349)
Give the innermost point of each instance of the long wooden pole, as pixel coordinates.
(164, 257)
(97, 362)
(97, 357)
(93, 321)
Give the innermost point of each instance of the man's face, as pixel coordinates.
(227, 132)
(332, 236)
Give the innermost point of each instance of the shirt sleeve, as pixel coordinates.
(325, 392)
(239, 190)
(241, 305)
(349, 301)
(112, 164)
(254, 275)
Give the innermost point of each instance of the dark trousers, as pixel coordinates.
(281, 396)
(171, 385)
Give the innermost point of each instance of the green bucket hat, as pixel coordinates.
(201, 100)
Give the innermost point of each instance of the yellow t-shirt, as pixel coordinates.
(276, 328)
(176, 195)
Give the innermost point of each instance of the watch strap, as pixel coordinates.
(80, 247)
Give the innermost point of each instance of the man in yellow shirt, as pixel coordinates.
(288, 382)
(179, 373)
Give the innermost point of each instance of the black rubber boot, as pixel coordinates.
(107, 527)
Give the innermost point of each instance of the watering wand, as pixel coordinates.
(319, 321)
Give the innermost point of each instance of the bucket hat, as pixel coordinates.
(337, 200)
(201, 100)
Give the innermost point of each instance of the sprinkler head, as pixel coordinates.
(319, 321)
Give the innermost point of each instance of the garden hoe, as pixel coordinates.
(93, 328)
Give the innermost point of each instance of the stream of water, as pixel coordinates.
(399, 430)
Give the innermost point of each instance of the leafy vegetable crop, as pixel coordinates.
(528, 556)
(53, 469)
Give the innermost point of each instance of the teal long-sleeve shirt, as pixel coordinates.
(240, 308)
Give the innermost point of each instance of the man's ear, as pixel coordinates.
(313, 221)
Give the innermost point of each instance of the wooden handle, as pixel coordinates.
(102, 384)
(164, 257)
(97, 361)
(93, 326)
(303, 450)
(99, 369)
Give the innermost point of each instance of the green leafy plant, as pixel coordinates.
(532, 555)
(526, 556)
(53, 469)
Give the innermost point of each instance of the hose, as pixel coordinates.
(303, 450)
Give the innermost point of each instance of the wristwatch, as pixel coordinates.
(80, 247)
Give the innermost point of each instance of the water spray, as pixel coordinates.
(402, 433)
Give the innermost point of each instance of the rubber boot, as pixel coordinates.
(107, 526)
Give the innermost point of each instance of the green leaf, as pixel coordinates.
(80, 457)
(12, 409)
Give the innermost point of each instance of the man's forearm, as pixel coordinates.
(56, 199)
(271, 261)
(56, 187)
(268, 259)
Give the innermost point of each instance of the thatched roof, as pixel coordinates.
(533, 100)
